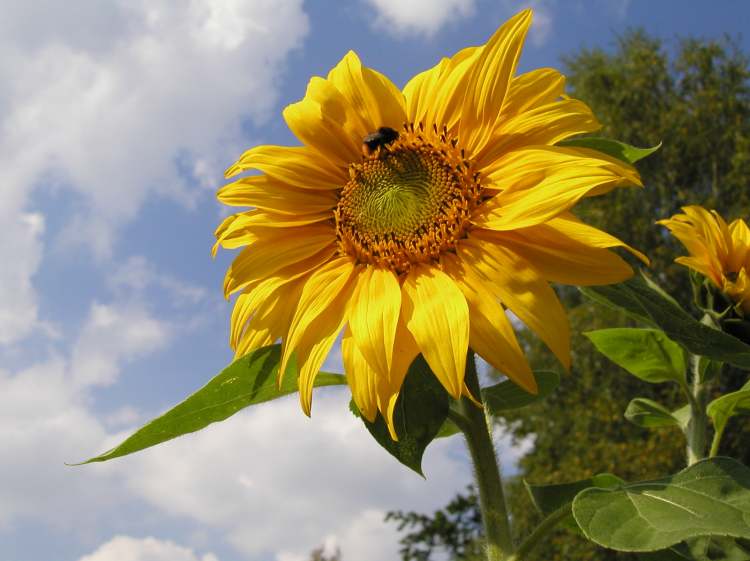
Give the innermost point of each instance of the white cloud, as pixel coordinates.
(113, 335)
(121, 102)
(126, 548)
(270, 468)
(20, 253)
(425, 17)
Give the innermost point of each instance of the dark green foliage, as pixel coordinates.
(454, 530)
(697, 104)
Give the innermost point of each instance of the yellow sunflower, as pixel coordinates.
(719, 252)
(412, 219)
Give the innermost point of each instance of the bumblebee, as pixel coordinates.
(382, 137)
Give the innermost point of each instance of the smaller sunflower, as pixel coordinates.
(718, 251)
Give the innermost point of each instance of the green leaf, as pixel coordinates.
(647, 354)
(448, 428)
(614, 148)
(708, 369)
(421, 411)
(711, 497)
(649, 414)
(727, 406)
(549, 498)
(641, 302)
(507, 396)
(247, 381)
(705, 548)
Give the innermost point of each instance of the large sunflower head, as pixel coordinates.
(718, 251)
(410, 220)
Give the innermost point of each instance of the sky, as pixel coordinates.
(117, 119)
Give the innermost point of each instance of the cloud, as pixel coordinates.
(270, 468)
(125, 548)
(423, 17)
(118, 103)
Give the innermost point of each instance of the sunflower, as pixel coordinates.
(411, 220)
(719, 252)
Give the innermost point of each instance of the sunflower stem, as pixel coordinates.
(698, 424)
(477, 430)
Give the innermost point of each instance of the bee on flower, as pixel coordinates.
(411, 219)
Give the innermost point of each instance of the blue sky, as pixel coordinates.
(118, 119)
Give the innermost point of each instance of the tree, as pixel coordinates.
(698, 105)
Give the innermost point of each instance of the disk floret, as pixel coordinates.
(407, 201)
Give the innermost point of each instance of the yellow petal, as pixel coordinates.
(560, 259)
(490, 332)
(233, 233)
(487, 84)
(372, 96)
(269, 255)
(537, 184)
(361, 377)
(522, 289)
(260, 191)
(532, 89)
(271, 319)
(436, 314)
(297, 166)
(373, 317)
(544, 125)
(317, 321)
(388, 387)
(740, 253)
(324, 120)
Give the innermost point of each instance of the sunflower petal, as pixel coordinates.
(487, 84)
(388, 387)
(490, 332)
(373, 317)
(297, 166)
(325, 121)
(436, 314)
(268, 255)
(532, 89)
(260, 191)
(560, 259)
(373, 97)
(361, 377)
(318, 319)
(539, 183)
(523, 290)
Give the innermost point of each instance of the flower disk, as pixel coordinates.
(410, 221)
(407, 203)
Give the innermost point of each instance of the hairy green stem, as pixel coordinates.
(537, 536)
(698, 424)
(477, 430)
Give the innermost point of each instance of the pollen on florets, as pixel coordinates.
(407, 201)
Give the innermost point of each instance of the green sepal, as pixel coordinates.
(249, 380)
(448, 428)
(420, 413)
(611, 147)
(506, 395)
(649, 414)
(709, 498)
(642, 302)
(647, 354)
(729, 405)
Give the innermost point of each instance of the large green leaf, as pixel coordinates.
(709, 498)
(727, 406)
(548, 498)
(646, 353)
(506, 395)
(642, 302)
(649, 414)
(247, 381)
(421, 411)
(614, 148)
(705, 548)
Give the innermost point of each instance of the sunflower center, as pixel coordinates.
(408, 201)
